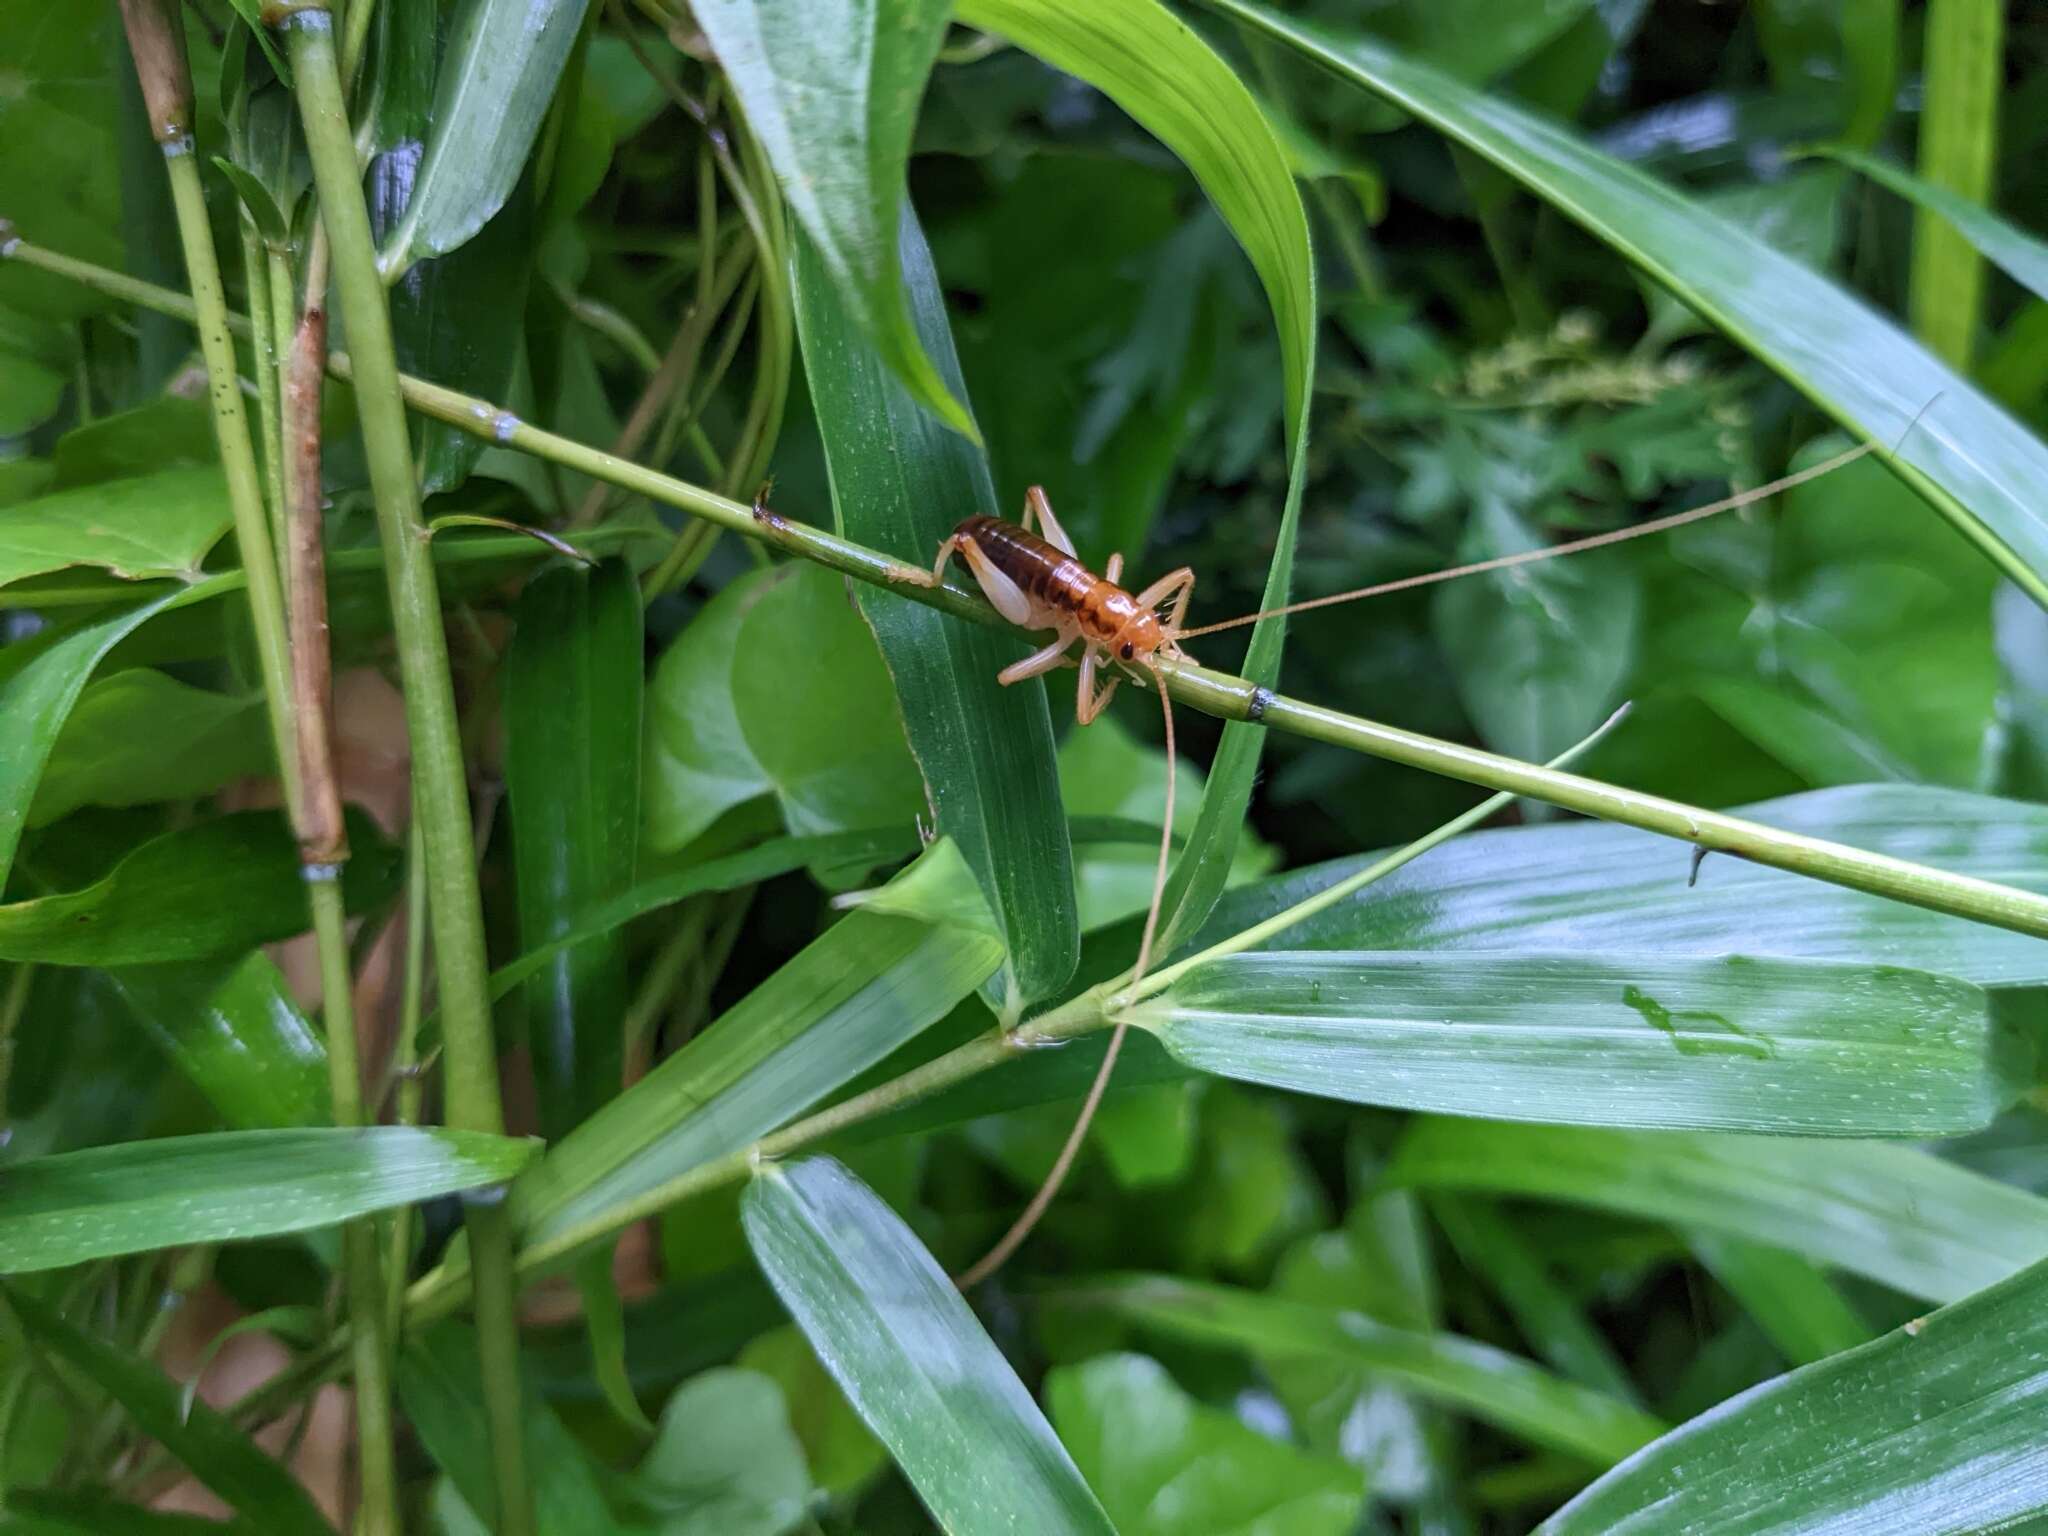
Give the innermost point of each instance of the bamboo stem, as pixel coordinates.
(441, 799)
(1217, 693)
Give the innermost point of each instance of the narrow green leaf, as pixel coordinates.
(903, 1346)
(141, 736)
(217, 1453)
(1900, 1216)
(572, 783)
(1791, 1300)
(1966, 456)
(42, 1512)
(498, 74)
(438, 1371)
(779, 856)
(1495, 1250)
(1153, 65)
(1587, 885)
(834, 107)
(1931, 1428)
(220, 887)
(1499, 1388)
(869, 983)
(2021, 256)
(40, 681)
(231, 1186)
(143, 526)
(234, 1030)
(1725, 1043)
(256, 201)
(986, 751)
(1165, 1465)
(604, 1318)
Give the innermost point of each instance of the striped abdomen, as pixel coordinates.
(1059, 586)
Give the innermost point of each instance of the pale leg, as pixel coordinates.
(1036, 504)
(1088, 703)
(1114, 572)
(1043, 660)
(911, 575)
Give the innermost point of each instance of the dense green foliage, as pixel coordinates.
(759, 947)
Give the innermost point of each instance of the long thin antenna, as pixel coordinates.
(1020, 1229)
(1530, 556)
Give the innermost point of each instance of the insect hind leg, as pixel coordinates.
(1037, 504)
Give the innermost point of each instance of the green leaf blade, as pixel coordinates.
(140, 527)
(1728, 1043)
(1925, 1429)
(902, 1344)
(1892, 1213)
(986, 752)
(231, 1186)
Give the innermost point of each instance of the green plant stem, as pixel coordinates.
(441, 799)
(256, 275)
(1234, 698)
(238, 461)
(1965, 68)
(405, 1064)
(20, 982)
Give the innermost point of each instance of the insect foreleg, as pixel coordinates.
(1179, 586)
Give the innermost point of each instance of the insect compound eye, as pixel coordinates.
(1127, 651)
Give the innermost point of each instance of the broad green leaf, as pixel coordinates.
(218, 887)
(147, 525)
(869, 983)
(217, 1453)
(725, 1461)
(1900, 1216)
(775, 688)
(438, 1372)
(900, 482)
(1154, 66)
(834, 107)
(141, 736)
(779, 856)
(903, 1346)
(234, 1030)
(1931, 1428)
(231, 1186)
(1965, 455)
(497, 77)
(141, 443)
(1495, 1249)
(1630, 1038)
(573, 681)
(1587, 885)
(40, 681)
(1791, 1300)
(1499, 1388)
(2021, 256)
(1166, 1465)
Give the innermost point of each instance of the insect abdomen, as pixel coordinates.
(1050, 577)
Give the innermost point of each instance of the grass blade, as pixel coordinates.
(1900, 1216)
(231, 1186)
(872, 981)
(1153, 65)
(2018, 254)
(834, 108)
(1639, 1039)
(1488, 1383)
(900, 482)
(903, 1346)
(1929, 1428)
(1966, 456)
(218, 1454)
